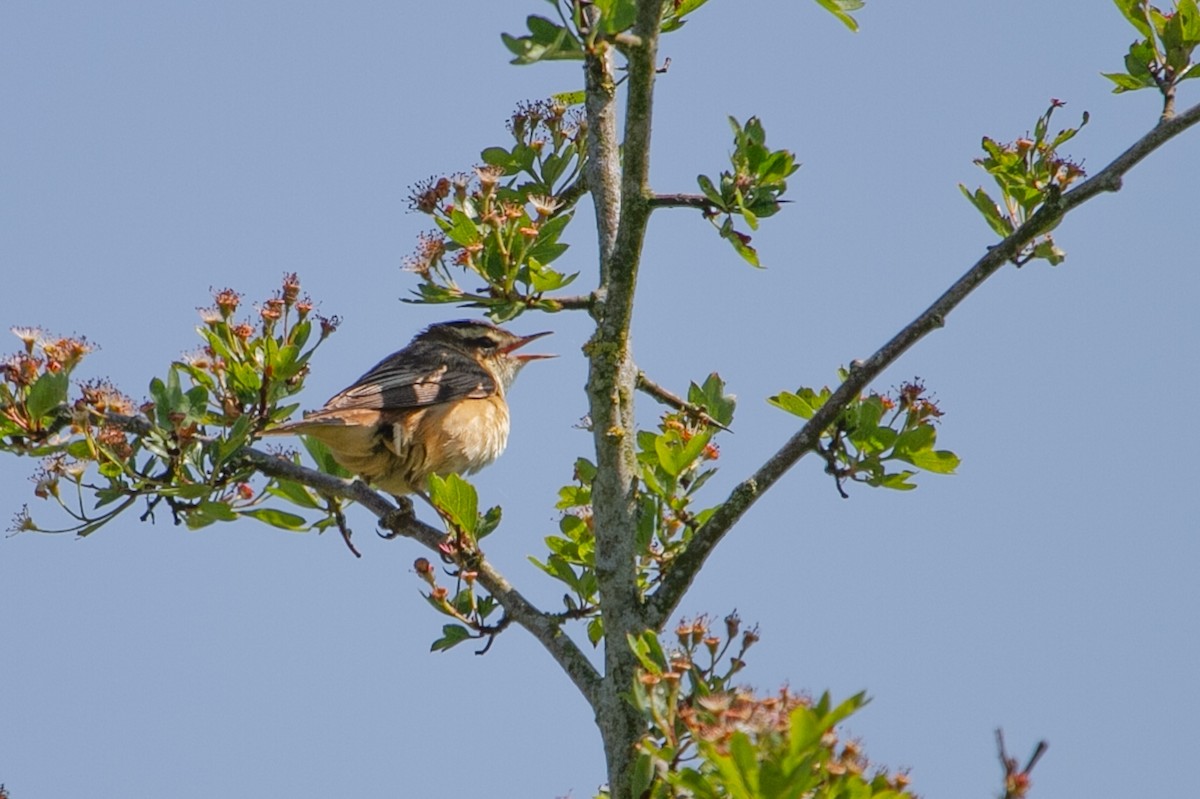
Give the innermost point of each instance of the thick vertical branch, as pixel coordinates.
(621, 193)
(602, 169)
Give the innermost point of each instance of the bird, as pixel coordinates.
(435, 407)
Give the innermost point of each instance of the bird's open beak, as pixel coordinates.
(521, 342)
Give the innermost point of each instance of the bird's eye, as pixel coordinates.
(481, 342)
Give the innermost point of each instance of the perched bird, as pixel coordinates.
(435, 407)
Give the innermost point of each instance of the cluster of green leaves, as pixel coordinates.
(457, 502)
(752, 189)
(503, 225)
(673, 464)
(245, 370)
(707, 738)
(1030, 173)
(572, 558)
(181, 449)
(874, 431)
(1162, 58)
(572, 34)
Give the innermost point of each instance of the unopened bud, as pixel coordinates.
(424, 570)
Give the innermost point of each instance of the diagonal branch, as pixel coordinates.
(676, 582)
(545, 627)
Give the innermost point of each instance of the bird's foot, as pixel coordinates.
(394, 521)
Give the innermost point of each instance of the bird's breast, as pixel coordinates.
(461, 437)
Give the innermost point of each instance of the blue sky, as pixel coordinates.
(152, 151)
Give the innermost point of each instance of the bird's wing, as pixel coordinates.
(416, 377)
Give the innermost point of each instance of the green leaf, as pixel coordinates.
(243, 379)
(208, 512)
(278, 518)
(669, 447)
(914, 440)
(293, 492)
(595, 630)
(712, 397)
(47, 393)
(1132, 11)
(616, 15)
(489, 521)
(777, 166)
(585, 470)
(456, 499)
(792, 403)
(570, 98)
(648, 651)
(1047, 249)
(196, 403)
(740, 242)
(749, 216)
(710, 191)
(1192, 72)
(938, 461)
(187, 491)
(110, 470)
(999, 223)
(898, 481)
(839, 9)
(745, 758)
(1127, 83)
(642, 775)
(224, 447)
(300, 333)
(876, 439)
(462, 230)
(546, 279)
(548, 40)
(452, 635)
(545, 31)
(323, 457)
(497, 156)
(675, 12)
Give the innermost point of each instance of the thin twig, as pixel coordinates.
(682, 201)
(666, 397)
(582, 302)
(1016, 779)
(339, 518)
(745, 494)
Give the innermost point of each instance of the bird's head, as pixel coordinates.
(490, 345)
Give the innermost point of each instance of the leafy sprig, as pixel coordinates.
(502, 225)
(875, 432)
(709, 738)
(180, 449)
(1030, 173)
(751, 189)
(1162, 58)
